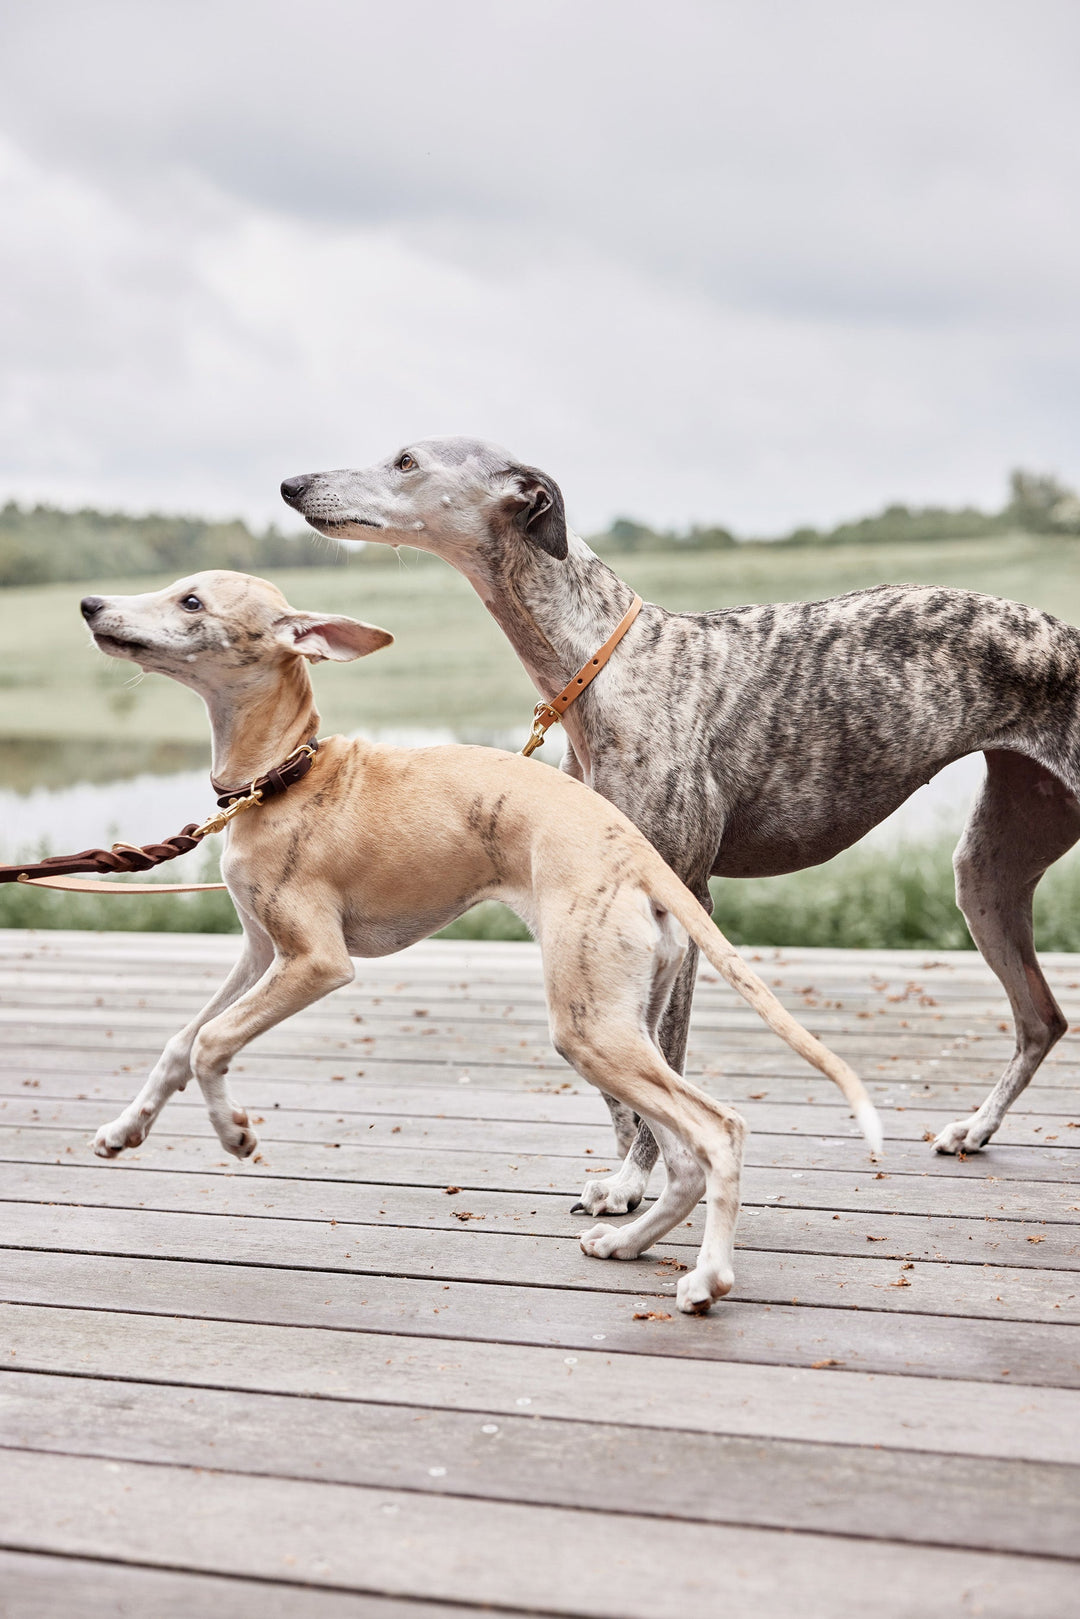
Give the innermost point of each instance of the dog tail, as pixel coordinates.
(676, 898)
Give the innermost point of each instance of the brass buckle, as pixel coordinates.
(218, 822)
(544, 716)
(305, 747)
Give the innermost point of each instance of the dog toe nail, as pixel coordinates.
(578, 1208)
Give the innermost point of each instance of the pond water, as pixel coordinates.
(62, 797)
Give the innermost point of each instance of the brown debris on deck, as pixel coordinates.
(316, 1386)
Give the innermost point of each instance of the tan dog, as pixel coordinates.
(378, 847)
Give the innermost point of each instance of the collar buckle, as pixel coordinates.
(218, 822)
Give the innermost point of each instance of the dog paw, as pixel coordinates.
(112, 1138)
(966, 1135)
(615, 1196)
(240, 1141)
(234, 1132)
(700, 1288)
(606, 1242)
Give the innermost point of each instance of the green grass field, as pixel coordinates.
(451, 665)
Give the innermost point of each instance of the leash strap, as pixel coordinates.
(60, 871)
(88, 885)
(545, 715)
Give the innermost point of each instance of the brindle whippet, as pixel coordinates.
(759, 740)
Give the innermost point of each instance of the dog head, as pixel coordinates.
(460, 497)
(218, 629)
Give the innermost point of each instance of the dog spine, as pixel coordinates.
(670, 893)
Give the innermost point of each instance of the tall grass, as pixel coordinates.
(882, 898)
(867, 898)
(24, 907)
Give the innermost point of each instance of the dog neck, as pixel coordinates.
(554, 613)
(255, 729)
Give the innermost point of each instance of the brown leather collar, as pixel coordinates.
(545, 715)
(276, 781)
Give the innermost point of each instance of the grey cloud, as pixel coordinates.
(749, 262)
(830, 158)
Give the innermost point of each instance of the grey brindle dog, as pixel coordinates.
(758, 740)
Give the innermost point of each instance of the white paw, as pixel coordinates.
(699, 1289)
(619, 1195)
(113, 1138)
(235, 1133)
(966, 1135)
(607, 1242)
(241, 1141)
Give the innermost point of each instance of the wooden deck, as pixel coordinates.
(371, 1374)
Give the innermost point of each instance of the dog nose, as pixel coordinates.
(90, 607)
(293, 488)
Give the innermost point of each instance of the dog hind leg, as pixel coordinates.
(674, 1033)
(683, 1191)
(1023, 820)
(600, 1018)
(622, 1192)
(709, 1132)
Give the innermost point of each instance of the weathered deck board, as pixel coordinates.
(652, 1391)
(511, 1127)
(1044, 1244)
(993, 1291)
(40, 1587)
(551, 1559)
(929, 1498)
(429, 1154)
(319, 1383)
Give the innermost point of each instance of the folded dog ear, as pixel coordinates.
(318, 636)
(535, 510)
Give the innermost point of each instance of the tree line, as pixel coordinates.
(41, 544)
(1037, 503)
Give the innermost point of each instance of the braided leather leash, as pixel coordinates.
(59, 871)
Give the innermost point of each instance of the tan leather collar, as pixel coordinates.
(545, 715)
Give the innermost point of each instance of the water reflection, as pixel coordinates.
(27, 763)
(56, 797)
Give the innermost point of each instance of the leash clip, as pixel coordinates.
(218, 822)
(544, 716)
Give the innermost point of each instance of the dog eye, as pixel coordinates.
(191, 604)
(405, 463)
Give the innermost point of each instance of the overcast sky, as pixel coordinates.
(754, 262)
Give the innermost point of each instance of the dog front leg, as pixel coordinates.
(289, 985)
(683, 1190)
(172, 1070)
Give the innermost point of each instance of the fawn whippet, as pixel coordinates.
(377, 847)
